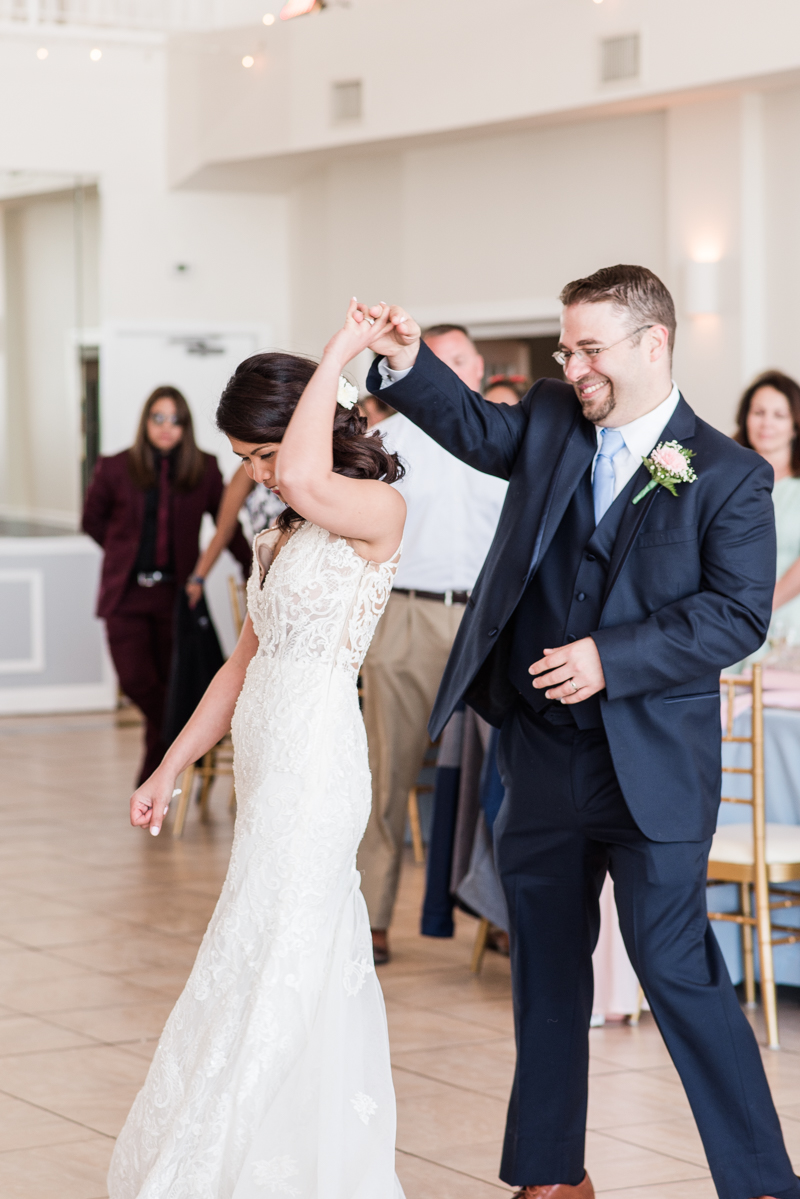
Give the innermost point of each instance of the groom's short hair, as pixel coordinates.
(632, 287)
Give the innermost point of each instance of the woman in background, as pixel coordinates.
(768, 421)
(145, 506)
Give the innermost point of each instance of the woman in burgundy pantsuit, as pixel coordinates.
(145, 507)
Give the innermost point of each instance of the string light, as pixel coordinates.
(268, 18)
(42, 53)
(95, 54)
(248, 60)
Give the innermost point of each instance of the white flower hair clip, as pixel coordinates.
(347, 394)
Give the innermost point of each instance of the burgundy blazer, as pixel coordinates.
(113, 515)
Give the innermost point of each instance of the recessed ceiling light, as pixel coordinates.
(248, 60)
(268, 18)
(95, 54)
(42, 52)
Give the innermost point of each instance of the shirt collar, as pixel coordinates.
(641, 435)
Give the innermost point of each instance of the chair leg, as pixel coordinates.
(416, 829)
(767, 968)
(184, 800)
(636, 1014)
(747, 947)
(207, 770)
(479, 948)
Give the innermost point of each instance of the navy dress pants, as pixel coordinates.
(563, 824)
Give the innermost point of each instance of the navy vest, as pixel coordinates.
(564, 599)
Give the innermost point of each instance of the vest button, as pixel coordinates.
(492, 632)
(571, 637)
(581, 596)
(590, 558)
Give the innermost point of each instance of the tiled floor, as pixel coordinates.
(99, 925)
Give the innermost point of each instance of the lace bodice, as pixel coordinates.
(319, 602)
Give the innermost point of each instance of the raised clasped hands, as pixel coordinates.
(359, 329)
(571, 672)
(393, 333)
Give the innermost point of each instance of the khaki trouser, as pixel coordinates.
(401, 675)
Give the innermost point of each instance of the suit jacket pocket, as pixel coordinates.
(681, 699)
(666, 537)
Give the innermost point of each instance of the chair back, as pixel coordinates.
(732, 686)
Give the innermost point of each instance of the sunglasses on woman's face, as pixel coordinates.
(161, 418)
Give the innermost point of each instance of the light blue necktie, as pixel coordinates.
(611, 443)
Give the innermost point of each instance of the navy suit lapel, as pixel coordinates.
(680, 427)
(579, 450)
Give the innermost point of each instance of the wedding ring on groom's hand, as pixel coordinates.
(573, 685)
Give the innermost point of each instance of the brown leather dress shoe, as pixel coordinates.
(380, 947)
(559, 1190)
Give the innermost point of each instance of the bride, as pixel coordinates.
(272, 1076)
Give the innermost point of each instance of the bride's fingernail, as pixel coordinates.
(155, 830)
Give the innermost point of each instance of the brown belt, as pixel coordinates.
(440, 597)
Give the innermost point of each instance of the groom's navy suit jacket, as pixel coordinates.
(688, 589)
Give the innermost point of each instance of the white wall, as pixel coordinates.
(105, 123)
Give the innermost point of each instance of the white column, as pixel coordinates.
(752, 234)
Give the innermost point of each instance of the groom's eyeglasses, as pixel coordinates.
(564, 357)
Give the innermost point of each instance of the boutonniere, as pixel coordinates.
(668, 465)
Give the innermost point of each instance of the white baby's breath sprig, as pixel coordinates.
(347, 394)
(668, 465)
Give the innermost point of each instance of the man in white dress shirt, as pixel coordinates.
(452, 516)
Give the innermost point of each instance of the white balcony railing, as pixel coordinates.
(133, 14)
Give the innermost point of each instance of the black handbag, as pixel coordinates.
(196, 658)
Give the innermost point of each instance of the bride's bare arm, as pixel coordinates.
(210, 721)
(369, 513)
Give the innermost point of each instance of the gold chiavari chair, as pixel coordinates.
(217, 763)
(756, 856)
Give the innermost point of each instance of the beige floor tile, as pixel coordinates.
(23, 1126)
(700, 1188)
(113, 1025)
(94, 1086)
(423, 1179)
(130, 951)
(487, 1067)
(632, 1097)
(615, 1164)
(33, 966)
(74, 928)
(27, 1034)
(677, 1138)
(70, 1171)
(86, 990)
(415, 1028)
(440, 1120)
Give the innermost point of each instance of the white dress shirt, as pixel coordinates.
(640, 436)
(453, 511)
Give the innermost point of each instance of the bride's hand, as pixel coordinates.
(397, 338)
(150, 803)
(360, 327)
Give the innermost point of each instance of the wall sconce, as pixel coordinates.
(701, 288)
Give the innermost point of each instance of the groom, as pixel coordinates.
(594, 639)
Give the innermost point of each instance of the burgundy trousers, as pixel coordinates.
(140, 640)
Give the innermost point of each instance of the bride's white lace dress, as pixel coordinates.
(272, 1076)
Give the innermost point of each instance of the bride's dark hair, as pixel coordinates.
(257, 405)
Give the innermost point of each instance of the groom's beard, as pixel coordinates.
(600, 405)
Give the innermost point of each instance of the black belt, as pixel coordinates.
(440, 597)
(151, 578)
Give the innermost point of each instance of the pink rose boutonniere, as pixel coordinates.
(668, 465)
